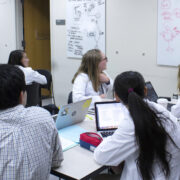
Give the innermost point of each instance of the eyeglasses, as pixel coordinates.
(105, 59)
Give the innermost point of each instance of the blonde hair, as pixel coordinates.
(178, 77)
(89, 65)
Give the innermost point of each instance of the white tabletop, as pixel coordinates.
(78, 162)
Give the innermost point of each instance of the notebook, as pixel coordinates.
(108, 115)
(72, 113)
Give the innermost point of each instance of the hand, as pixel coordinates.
(103, 78)
(102, 95)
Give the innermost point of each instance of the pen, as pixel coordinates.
(89, 117)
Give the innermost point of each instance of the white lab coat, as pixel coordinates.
(175, 109)
(83, 89)
(32, 76)
(121, 146)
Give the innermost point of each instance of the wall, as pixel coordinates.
(131, 37)
(7, 30)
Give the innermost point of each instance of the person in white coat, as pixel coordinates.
(175, 109)
(20, 59)
(91, 81)
(147, 139)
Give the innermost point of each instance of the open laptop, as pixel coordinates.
(72, 113)
(108, 115)
(152, 95)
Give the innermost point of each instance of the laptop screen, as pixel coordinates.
(108, 115)
(151, 93)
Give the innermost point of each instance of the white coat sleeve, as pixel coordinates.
(108, 87)
(79, 90)
(37, 77)
(175, 109)
(116, 148)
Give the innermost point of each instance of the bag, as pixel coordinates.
(90, 140)
(51, 108)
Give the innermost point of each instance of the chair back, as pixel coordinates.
(70, 98)
(48, 76)
(33, 97)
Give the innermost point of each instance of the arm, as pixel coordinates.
(37, 77)
(175, 110)
(57, 151)
(108, 86)
(79, 89)
(116, 148)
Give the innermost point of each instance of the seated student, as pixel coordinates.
(147, 139)
(90, 81)
(175, 110)
(29, 143)
(19, 58)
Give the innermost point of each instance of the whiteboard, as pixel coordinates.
(85, 26)
(168, 52)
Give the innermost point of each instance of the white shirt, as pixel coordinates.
(29, 144)
(175, 109)
(32, 76)
(121, 146)
(83, 89)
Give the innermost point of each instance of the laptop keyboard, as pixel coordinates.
(107, 133)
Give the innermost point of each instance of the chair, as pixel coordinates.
(70, 98)
(33, 98)
(48, 86)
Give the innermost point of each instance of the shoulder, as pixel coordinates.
(37, 115)
(25, 69)
(82, 76)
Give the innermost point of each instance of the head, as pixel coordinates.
(12, 86)
(93, 62)
(18, 57)
(128, 82)
(151, 136)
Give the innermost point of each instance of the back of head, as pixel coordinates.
(150, 134)
(15, 57)
(12, 84)
(128, 82)
(89, 65)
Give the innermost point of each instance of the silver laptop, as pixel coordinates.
(108, 115)
(72, 113)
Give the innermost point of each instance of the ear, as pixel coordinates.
(23, 98)
(117, 98)
(145, 91)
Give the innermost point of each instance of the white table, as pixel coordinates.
(78, 162)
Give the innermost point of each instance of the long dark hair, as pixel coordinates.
(15, 57)
(151, 136)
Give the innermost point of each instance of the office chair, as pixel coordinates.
(33, 98)
(48, 86)
(52, 108)
(70, 98)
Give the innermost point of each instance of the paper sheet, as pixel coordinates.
(66, 144)
(71, 133)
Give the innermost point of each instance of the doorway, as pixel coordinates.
(36, 22)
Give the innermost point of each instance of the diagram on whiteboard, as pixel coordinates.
(85, 26)
(168, 32)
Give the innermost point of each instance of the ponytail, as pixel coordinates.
(150, 135)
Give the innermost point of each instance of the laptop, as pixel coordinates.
(108, 115)
(152, 95)
(72, 113)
